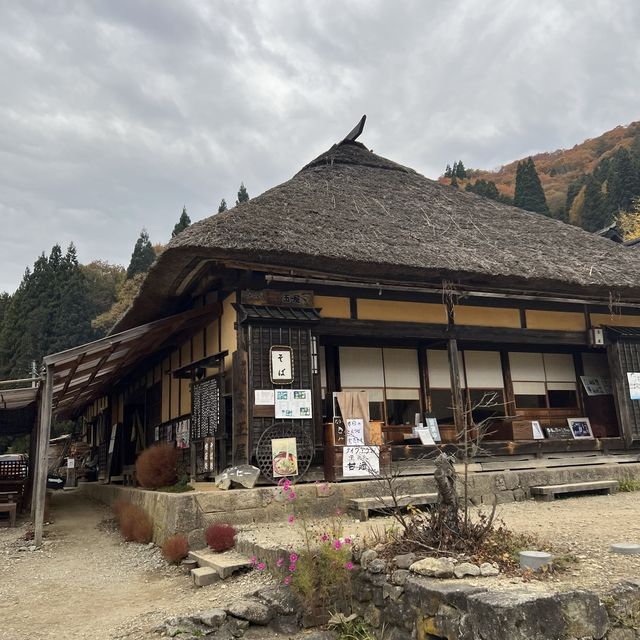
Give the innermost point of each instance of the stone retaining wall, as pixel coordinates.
(191, 512)
(402, 606)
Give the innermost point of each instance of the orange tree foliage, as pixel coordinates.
(157, 466)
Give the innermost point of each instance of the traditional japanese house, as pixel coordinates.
(360, 274)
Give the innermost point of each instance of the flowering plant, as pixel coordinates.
(319, 573)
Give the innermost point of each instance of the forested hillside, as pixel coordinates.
(588, 185)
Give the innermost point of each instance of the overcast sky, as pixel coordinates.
(115, 113)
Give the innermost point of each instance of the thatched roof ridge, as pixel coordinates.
(350, 212)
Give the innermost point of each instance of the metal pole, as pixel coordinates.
(43, 448)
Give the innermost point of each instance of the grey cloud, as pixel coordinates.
(114, 114)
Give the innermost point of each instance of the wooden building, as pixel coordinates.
(368, 276)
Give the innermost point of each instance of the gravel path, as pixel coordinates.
(87, 583)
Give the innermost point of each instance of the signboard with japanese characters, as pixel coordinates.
(596, 385)
(293, 404)
(634, 385)
(281, 365)
(355, 431)
(278, 298)
(360, 462)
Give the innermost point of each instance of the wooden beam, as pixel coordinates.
(44, 433)
(456, 390)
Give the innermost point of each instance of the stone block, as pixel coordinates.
(367, 557)
(225, 564)
(212, 617)
(251, 610)
(428, 594)
(279, 598)
(377, 566)
(392, 592)
(621, 634)
(487, 569)
(466, 569)
(405, 560)
(203, 576)
(623, 604)
(433, 567)
(583, 613)
(399, 577)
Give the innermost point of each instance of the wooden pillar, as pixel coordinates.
(456, 390)
(44, 433)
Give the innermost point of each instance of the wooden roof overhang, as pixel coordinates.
(87, 372)
(18, 408)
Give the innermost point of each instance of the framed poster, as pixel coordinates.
(580, 428)
(538, 434)
(281, 364)
(634, 385)
(596, 385)
(360, 462)
(284, 455)
(293, 404)
(559, 433)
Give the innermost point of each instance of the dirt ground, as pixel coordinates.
(87, 583)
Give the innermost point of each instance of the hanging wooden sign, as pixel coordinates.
(281, 364)
(206, 408)
(277, 298)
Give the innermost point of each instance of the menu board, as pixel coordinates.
(360, 462)
(205, 414)
(293, 404)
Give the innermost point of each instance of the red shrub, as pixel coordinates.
(175, 548)
(135, 524)
(157, 466)
(221, 537)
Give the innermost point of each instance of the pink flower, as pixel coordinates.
(349, 565)
(337, 544)
(324, 537)
(254, 560)
(347, 540)
(292, 496)
(287, 580)
(261, 566)
(293, 558)
(292, 567)
(287, 484)
(291, 519)
(281, 481)
(279, 562)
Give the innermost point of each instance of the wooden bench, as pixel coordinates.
(360, 507)
(550, 491)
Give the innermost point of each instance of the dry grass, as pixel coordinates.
(221, 537)
(135, 524)
(157, 466)
(175, 548)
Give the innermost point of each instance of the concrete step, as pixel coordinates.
(203, 576)
(361, 506)
(225, 564)
(550, 491)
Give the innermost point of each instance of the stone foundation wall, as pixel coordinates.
(191, 512)
(402, 606)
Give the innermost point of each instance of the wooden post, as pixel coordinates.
(43, 449)
(456, 391)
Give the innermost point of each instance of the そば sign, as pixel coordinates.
(281, 365)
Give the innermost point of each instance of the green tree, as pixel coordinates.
(104, 280)
(529, 194)
(461, 172)
(594, 211)
(623, 182)
(448, 172)
(223, 206)
(243, 196)
(454, 181)
(127, 291)
(142, 257)
(51, 311)
(182, 223)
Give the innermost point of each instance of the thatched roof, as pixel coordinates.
(352, 213)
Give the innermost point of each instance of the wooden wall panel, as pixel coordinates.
(555, 320)
(600, 319)
(229, 339)
(487, 317)
(166, 389)
(393, 310)
(333, 307)
(175, 386)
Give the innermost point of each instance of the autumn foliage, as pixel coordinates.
(157, 466)
(221, 537)
(175, 548)
(135, 524)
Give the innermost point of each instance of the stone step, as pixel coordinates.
(203, 576)
(550, 491)
(225, 564)
(361, 506)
